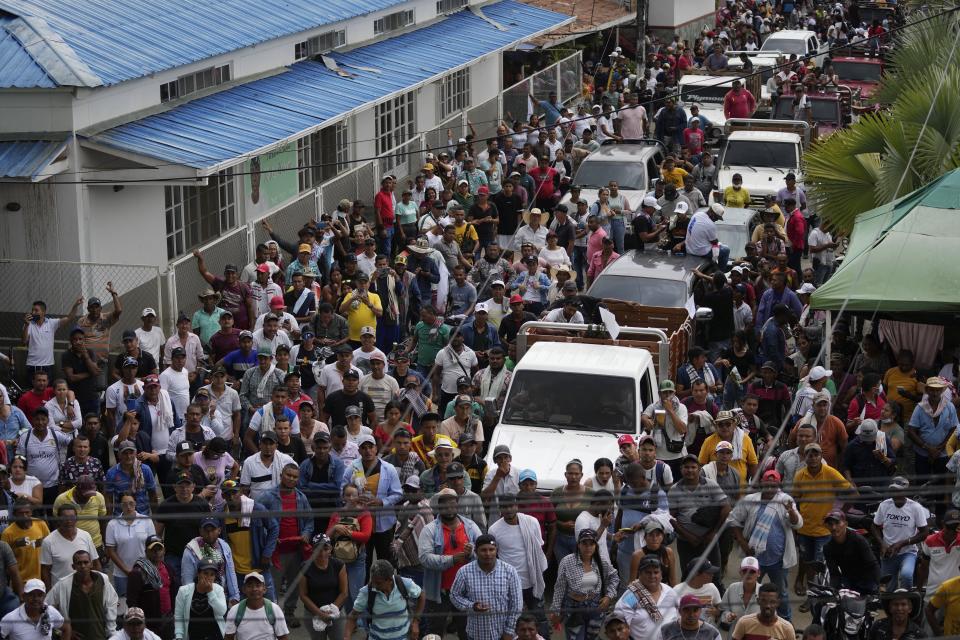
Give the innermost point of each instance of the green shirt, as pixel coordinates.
(206, 324)
(406, 213)
(430, 340)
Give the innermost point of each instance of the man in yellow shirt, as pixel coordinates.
(25, 536)
(816, 488)
(361, 308)
(946, 598)
(744, 460)
(91, 516)
(671, 173)
(902, 385)
(735, 195)
(773, 215)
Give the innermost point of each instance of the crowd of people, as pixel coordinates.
(308, 448)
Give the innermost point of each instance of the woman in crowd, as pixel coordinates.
(648, 603)
(324, 589)
(351, 524)
(201, 609)
(22, 484)
(586, 586)
(569, 501)
(125, 540)
(64, 409)
(153, 588)
(553, 255)
(654, 544)
(392, 413)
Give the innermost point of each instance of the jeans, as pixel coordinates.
(580, 264)
(385, 244)
(811, 547)
(356, 578)
(618, 229)
(583, 625)
(533, 604)
(901, 567)
(120, 584)
(778, 576)
(722, 257)
(173, 562)
(289, 567)
(821, 272)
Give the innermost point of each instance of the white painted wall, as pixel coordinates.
(32, 111)
(127, 226)
(673, 13)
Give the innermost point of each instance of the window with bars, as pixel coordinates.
(322, 155)
(396, 122)
(196, 215)
(392, 22)
(454, 93)
(319, 44)
(193, 82)
(448, 6)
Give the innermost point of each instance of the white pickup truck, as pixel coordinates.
(763, 152)
(556, 410)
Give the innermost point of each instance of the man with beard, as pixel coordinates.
(251, 533)
(88, 597)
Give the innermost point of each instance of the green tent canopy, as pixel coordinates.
(903, 256)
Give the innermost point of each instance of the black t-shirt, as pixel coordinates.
(509, 327)
(566, 233)
(323, 585)
(146, 364)
(295, 449)
(742, 363)
(337, 402)
(509, 209)
(290, 299)
(200, 479)
(642, 224)
(721, 327)
(178, 531)
(85, 388)
(485, 230)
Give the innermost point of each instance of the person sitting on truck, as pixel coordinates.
(735, 195)
(770, 213)
(738, 102)
(672, 174)
(670, 203)
(697, 368)
(645, 227)
(716, 61)
(691, 193)
(702, 236)
(669, 433)
(771, 244)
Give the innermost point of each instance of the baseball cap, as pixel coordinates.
(152, 541)
(836, 514)
(528, 474)
(723, 445)
(447, 492)
(667, 385)
(229, 486)
(644, 437)
(650, 201)
(352, 373)
(499, 450)
(185, 447)
(304, 248)
(515, 298)
(263, 267)
(269, 435)
(378, 357)
(750, 563)
(126, 445)
(414, 480)
(619, 617)
(821, 396)
(365, 438)
(769, 365)
(246, 334)
(276, 302)
(94, 302)
(819, 373)
(806, 288)
(456, 470)
(353, 411)
(899, 482)
(705, 567)
(135, 614)
(952, 516)
(587, 534)
(681, 207)
(184, 477)
(724, 416)
(368, 331)
(321, 436)
(625, 439)
(35, 585)
(148, 311)
(129, 334)
(130, 362)
(481, 308)
(254, 575)
(178, 352)
(463, 399)
(690, 600)
(152, 380)
(497, 283)
(867, 431)
(813, 446)
(649, 562)
(771, 474)
(209, 522)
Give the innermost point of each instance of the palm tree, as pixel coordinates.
(869, 163)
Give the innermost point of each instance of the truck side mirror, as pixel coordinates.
(703, 314)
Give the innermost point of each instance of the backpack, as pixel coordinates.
(344, 548)
(242, 610)
(371, 600)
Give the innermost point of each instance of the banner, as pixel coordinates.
(265, 187)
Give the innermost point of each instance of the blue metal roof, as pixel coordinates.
(217, 129)
(28, 158)
(124, 39)
(18, 69)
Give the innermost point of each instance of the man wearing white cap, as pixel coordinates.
(135, 627)
(255, 617)
(645, 229)
(150, 336)
(816, 382)
(33, 620)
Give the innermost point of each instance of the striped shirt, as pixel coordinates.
(499, 590)
(391, 617)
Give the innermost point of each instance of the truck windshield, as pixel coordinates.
(798, 46)
(759, 153)
(629, 174)
(648, 291)
(703, 94)
(545, 399)
(857, 71)
(820, 110)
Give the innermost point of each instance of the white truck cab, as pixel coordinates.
(801, 42)
(572, 400)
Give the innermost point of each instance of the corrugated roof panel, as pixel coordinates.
(27, 158)
(123, 39)
(238, 121)
(18, 70)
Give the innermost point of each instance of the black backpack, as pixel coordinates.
(371, 600)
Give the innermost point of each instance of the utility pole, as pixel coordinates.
(641, 36)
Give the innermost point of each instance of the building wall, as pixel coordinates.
(126, 226)
(671, 13)
(33, 111)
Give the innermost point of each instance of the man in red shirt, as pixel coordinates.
(796, 232)
(38, 395)
(544, 179)
(383, 209)
(693, 137)
(739, 102)
(540, 507)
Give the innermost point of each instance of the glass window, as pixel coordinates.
(648, 291)
(534, 400)
(193, 82)
(196, 215)
(454, 93)
(630, 175)
(395, 122)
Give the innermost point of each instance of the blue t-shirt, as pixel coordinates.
(116, 482)
(462, 297)
(237, 363)
(776, 543)
(683, 375)
(551, 111)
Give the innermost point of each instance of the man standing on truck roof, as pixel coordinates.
(716, 61)
(739, 102)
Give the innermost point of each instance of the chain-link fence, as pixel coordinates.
(288, 221)
(401, 161)
(59, 284)
(233, 248)
(516, 102)
(485, 117)
(563, 77)
(570, 72)
(436, 139)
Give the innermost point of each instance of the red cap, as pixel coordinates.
(515, 298)
(690, 600)
(483, 189)
(151, 380)
(771, 474)
(263, 268)
(625, 439)
(276, 302)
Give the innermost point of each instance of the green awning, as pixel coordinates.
(902, 256)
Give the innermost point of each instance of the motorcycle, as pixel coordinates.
(844, 614)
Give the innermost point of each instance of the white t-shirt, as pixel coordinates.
(57, 552)
(450, 370)
(40, 347)
(331, 379)
(281, 337)
(603, 122)
(128, 538)
(43, 456)
(510, 549)
(819, 237)
(557, 316)
(701, 231)
(25, 488)
(151, 341)
(355, 437)
(114, 397)
(631, 122)
(17, 626)
(255, 625)
(901, 523)
(261, 478)
(708, 595)
(177, 384)
(587, 520)
(222, 409)
(361, 358)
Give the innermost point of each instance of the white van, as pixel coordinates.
(572, 400)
